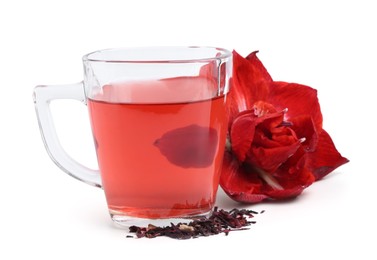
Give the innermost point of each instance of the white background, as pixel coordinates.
(329, 45)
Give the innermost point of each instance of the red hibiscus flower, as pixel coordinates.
(276, 145)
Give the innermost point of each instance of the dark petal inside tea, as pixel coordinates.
(192, 146)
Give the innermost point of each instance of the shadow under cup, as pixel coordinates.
(159, 123)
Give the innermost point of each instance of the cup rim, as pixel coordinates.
(101, 55)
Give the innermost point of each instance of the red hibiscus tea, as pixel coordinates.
(159, 126)
(159, 146)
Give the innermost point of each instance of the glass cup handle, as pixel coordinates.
(43, 95)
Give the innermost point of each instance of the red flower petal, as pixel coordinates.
(244, 184)
(304, 128)
(294, 176)
(238, 184)
(242, 134)
(191, 146)
(299, 99)
(270, 144)
(326, 157)
(286, 193)
(295, 171)
(260, 70)
(243, 129)
(269, 159)
(250, 83)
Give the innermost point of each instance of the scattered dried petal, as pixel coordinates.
(185, 227)
(220, 221)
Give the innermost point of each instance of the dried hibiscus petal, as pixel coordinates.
(220, 221)
(192, 146)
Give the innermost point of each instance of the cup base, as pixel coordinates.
(125, 221)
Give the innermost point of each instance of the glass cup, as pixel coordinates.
(158, 118)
